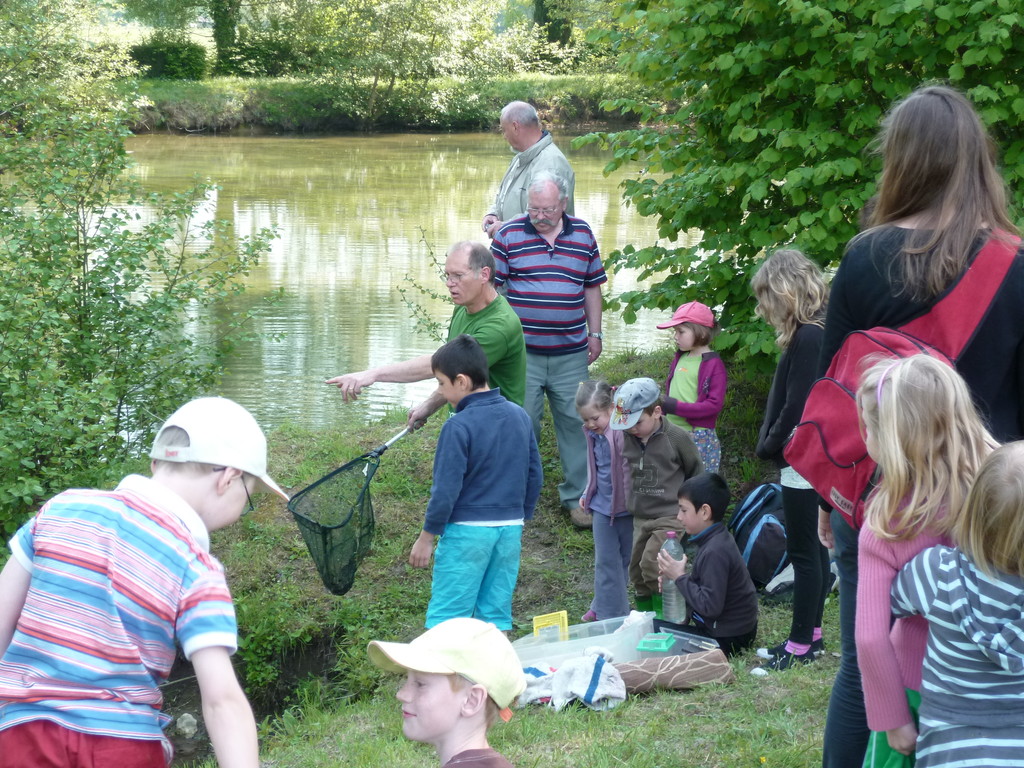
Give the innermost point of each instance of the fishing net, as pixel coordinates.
(335, 517)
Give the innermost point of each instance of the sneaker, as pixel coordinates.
(779, 663)
(778, 651)
(772, 653)
(580, 518)
(588, 617)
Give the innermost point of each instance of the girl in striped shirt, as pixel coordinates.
(972, 694)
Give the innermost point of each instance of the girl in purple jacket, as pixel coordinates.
(695, 388)
(607, 490)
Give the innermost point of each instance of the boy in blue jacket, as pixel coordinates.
(487, 479)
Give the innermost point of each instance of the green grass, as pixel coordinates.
(773, 721)
(346, 714)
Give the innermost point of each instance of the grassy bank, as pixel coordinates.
(346, 714)
(289, 105)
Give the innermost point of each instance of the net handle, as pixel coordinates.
(378, 451)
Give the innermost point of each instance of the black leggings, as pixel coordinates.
(810, 562)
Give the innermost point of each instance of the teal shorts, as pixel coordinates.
(475, 572)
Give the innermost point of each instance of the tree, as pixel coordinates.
(371, 48)
(762, 132)
(555, 20)
(225, 16)
(94, 299)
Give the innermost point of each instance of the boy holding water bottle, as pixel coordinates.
(719, 592)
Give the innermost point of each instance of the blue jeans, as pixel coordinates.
(558, 377)
(475, 572)
(846, 726)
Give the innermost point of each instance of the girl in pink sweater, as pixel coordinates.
(920, 425)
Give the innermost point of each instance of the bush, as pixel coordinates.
(94, 299)
(263, 53)
(172, 57)
(447, 104)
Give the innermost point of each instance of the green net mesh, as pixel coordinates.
(335, 517)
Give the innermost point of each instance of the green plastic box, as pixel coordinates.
(655, 644)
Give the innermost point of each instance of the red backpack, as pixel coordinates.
(826, 447)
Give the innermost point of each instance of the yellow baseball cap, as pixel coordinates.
(478, 651)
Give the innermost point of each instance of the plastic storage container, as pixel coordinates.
(684, 642)
(545, 653)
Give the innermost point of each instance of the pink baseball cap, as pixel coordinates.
(693, 312)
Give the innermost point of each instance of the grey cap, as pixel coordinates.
(630, 400)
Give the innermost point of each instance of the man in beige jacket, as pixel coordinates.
(536, 154)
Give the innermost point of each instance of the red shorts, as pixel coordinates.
(42, 744)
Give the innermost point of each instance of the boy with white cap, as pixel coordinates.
(102, 585)
(461, 676)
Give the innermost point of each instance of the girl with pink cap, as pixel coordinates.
(695, 388)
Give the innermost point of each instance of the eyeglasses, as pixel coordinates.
(458, 277)
(248, 499)
(546, 211)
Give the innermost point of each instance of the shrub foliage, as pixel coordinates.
(96, 301)
(760, 134)
(171, 56)
(448, 103)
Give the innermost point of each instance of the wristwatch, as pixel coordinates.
(597, 336)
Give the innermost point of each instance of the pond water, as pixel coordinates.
(358, 218)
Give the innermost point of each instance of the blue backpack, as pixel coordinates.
(759, 527)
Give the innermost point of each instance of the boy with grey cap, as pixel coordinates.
(462, 675)
(661, 456)
(100, 588)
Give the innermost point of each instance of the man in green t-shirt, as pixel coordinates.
(481, 312)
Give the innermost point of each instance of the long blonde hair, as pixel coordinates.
(991, 529)
(790, 291)
(929, 442)
(939, 164)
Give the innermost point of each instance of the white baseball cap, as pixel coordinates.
(220, 432)
(478, 651)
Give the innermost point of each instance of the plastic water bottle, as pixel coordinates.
(673, 604)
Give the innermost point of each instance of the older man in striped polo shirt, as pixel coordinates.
(550, 265)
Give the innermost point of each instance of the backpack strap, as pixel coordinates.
(953, 320)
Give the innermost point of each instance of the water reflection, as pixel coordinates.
(360, 216)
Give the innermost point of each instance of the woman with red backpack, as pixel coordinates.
(940, 199)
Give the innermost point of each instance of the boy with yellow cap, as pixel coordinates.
(461, 676)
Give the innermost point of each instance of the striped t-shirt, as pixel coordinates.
(116, 576)
(973, 670)
(546, 283)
